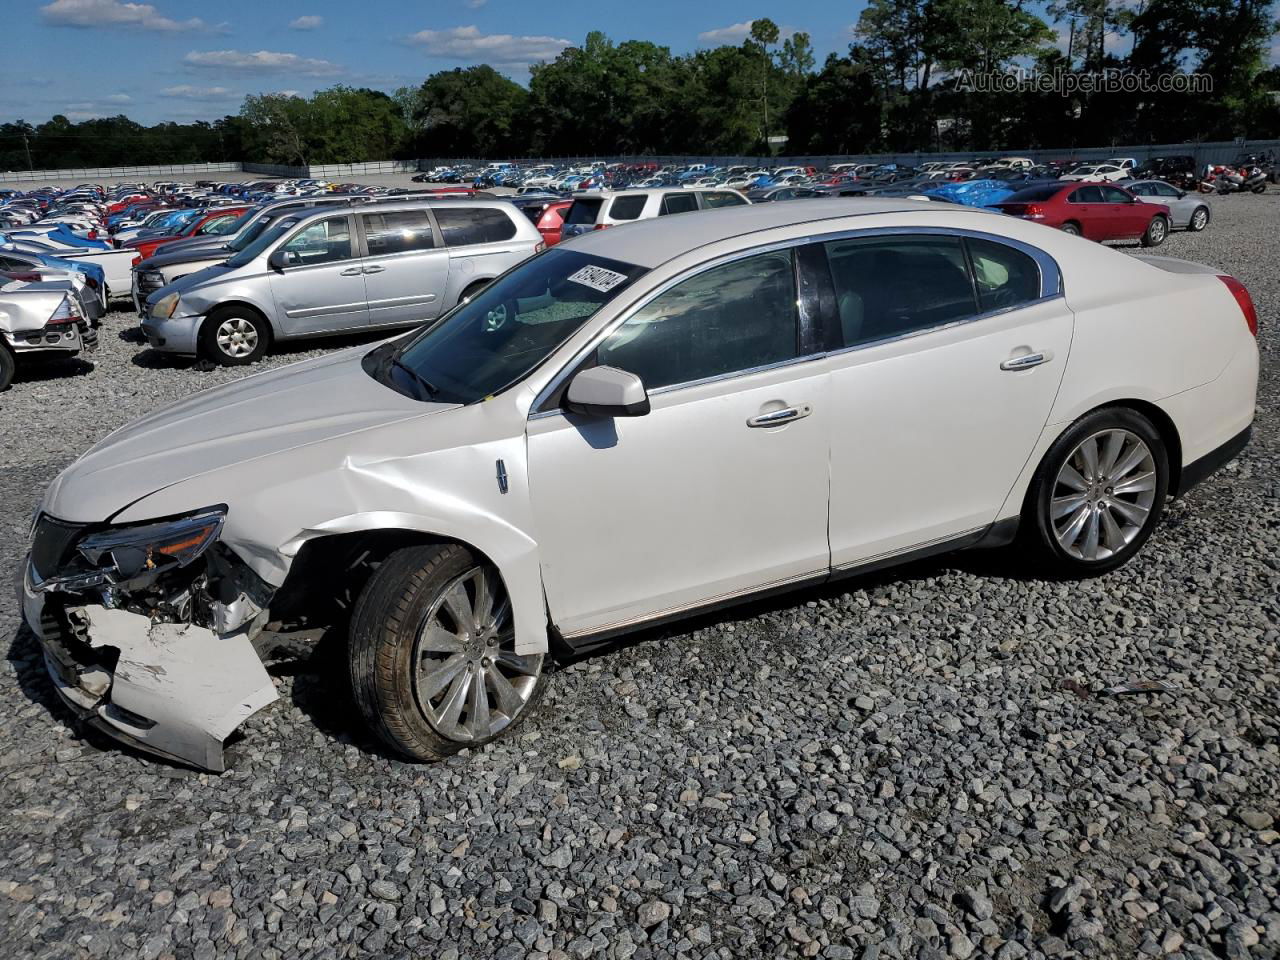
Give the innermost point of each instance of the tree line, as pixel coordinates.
(894, 89)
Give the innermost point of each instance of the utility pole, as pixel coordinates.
(27, 146)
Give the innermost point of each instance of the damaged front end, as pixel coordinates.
(148, 630)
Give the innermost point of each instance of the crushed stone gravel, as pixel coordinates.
(905, 765)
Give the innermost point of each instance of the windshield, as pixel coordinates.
(509, 328)
(264, 239)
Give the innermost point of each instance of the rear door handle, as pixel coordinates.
(776, 418)
(351, 272)
(374, 269)
(1026, 361)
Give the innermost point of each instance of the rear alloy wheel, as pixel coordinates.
(1199, 219)
(1071, 228)
(1157, 231)
(433, 661)
(234, 336)
(1099, 492)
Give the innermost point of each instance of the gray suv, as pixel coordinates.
(327, 271)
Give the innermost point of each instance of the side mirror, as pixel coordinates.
(607, 392)
(280, 259)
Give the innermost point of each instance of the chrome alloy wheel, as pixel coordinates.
(236, 337)
(1103, 495)
(1200, 219)
(1158, 230)
(469, 682)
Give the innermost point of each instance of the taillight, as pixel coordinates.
(63, 318)
(1241, 294)
(135, 261)
(19, 275)
(601, 226)
(1033, 210)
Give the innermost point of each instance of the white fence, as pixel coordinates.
(120, 174)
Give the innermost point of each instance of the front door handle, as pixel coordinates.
(1026, 361)
(776, 418)
(374, 269)
(351, 272)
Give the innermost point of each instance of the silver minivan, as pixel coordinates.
(331, 271)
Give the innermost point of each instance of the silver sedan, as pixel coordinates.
(1187, 211)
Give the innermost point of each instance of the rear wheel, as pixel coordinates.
(1199, 219)
(1098, 493)
(234, 336)
(1157, 231)
(433, 661)
(1071, 228)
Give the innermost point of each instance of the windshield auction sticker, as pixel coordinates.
(598, 278)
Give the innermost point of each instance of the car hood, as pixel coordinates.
(191, 280)
(174, 253)
(254, 418)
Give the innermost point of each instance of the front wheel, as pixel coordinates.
(1098, 493)
(432, 648)
(1157, 231)
(1199, 219)
(235, 336)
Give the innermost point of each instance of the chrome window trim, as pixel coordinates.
(1050, 280)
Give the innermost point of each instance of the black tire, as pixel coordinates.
(1071, 229)
(390, 615)
(1199, 219)
(1157, 231)
(244, 319)
(473, 289)
(1041, 535)
(1259, 187)
(7, 367)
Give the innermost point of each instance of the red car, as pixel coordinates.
(551, 221)
(1098, 211)
(209, 224)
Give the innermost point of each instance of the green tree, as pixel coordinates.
(470, 112)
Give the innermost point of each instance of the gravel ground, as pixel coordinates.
(909, 765)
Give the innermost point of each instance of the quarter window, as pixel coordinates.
(1087, 195)
(722, 198)
(629, 207)
(462, 227)
(1005, 277)
(398, 232)
(890, 286)
(684, 202)
(728, 319)
(324, 242)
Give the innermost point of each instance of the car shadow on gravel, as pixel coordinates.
(44, 369)
(150, 359)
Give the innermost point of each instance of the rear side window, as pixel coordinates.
(584, 212)
(728, 319)
(684, 202)
(628, 207)
(398, 232)
(462, 227)
(1005, 277)
(722, 198)
(1087, 195)
(1143, 189)
(890, 286)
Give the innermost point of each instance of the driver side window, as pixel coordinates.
(325, 242)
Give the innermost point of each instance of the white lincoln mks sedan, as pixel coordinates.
(641, 423)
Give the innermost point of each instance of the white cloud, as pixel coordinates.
(307, 23)
(261, 61)
(499, 49)
(118, 98)
(734, 33)
(186, 91)
(78, 115)
(113, 13)
(288, 93)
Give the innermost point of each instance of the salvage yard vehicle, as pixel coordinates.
(584, 447)
(114, 264)
(323, 272)
(40, 319)
(1187, 211)
(612, 208)
(1097, 211)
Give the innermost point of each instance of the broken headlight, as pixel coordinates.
(133, 550)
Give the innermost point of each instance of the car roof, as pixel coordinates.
(650, 242)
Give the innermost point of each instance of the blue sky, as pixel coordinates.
(183, 60)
